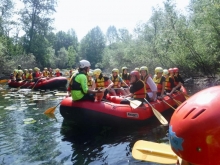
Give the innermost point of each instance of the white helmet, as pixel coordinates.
(84, 63)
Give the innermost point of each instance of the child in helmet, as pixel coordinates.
(149, 83)
(102, 81)
(159, 81)
(137, 89)
(58, 73)
(169, 83)
(126, 79)
(117, 80)
(194, 128)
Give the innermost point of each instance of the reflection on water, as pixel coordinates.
(54, 141)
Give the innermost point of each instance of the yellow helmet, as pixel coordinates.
(36, 68)
(144, 68)
(45, 68)
(115, 70)
(158, 70)
(97, 72)
(123, 68)
(137, 69)
(165, 72)
(30, 69)
(90, 73)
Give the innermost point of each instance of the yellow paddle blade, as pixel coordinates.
(50, 110)
(154, 152)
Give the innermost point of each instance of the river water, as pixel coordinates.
(28, 137)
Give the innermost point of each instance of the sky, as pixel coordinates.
(83, 15)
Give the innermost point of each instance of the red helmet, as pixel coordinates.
(194, 130)
(175, 70)
(136, 74)
(170, 70)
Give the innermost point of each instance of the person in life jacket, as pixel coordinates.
(178, 77)
(29, 76)
(15, 72)
(159, 80)
(79, 83)
(58, 73)
(169, 83)
(91, 81)
(177, 82)
(117, 81)
(102, 82)
(194, 129)
(45, 72)
(24, 74)
(126, 79)
(19, 75)
(137, 89)
(37, 74)
(50, 74)
(151, 87)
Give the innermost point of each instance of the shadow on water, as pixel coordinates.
(104, 144)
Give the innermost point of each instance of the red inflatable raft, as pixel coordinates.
(51, 83)
(112, 111)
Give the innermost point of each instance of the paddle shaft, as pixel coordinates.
(169, 104)
(35, 84)
(157, 114)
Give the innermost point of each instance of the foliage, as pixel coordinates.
(168, 39)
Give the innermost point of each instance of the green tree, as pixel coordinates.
(92, 46)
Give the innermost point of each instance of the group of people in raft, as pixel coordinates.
(135, 85)
(33, 74)
(182, 129)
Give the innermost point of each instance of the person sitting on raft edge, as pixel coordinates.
(137, 89)
(79, 84)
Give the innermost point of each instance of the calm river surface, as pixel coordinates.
(28, 137)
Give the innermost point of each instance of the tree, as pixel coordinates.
(92, 46)
(111, 35)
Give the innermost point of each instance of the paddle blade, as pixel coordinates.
(159, 116)
(135, 103)
(154, 152)
(50, 110)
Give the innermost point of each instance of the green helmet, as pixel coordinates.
(123, 68)
(115, 70)
(158, 70)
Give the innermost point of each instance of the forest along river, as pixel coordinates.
(27, 136)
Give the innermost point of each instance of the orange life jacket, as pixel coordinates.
(125, 78)
(158, 83)
(115, 81)
(140, 93)
(89, 82)
(146, 84)
(168, 84)
(101, 83)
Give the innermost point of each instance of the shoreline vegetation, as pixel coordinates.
(168, 39)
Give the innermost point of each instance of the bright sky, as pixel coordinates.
(83, 15)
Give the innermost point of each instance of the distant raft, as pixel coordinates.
(44, 83)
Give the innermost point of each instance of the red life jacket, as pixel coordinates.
(140, 93)
(146, 84)
(37, 74)
(58, 74)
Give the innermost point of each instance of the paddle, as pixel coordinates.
(21, 85)
(154, 152)
(3, 81)
(134, 103)
(51, 109)
(169, 105)
(35, 84)
(185, 95)
(176, 101)
(158, 114)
